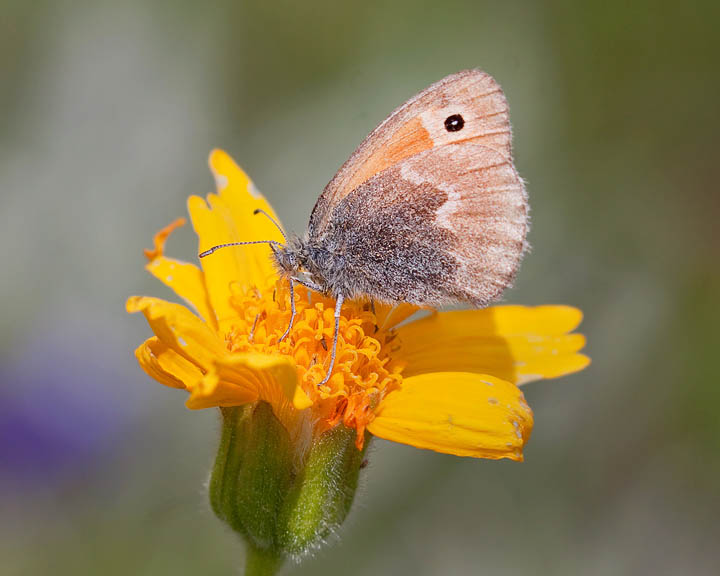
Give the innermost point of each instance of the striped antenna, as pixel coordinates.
(261, 211)
(209, 251)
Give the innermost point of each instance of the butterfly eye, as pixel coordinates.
(454, 123)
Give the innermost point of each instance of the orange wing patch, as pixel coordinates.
(410, 139)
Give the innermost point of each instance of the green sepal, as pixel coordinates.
(252, 473)
(321, 496)
(282, 499)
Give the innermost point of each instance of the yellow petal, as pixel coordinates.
(241, 378)
(550, 367)
(187, 281)
(274, 377)
(390, 316)
(502, 320)
(167, 366)
(229, 217)
(161, 237)
(212, 392)
(515, 343)
(180, 330)
(456, 413)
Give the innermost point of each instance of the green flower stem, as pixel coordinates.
(261, 562)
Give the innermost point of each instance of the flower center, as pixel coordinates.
(364, 372)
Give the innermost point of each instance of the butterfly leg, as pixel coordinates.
(338, 306)
(252, 330)
(308, 284)
(292, 310)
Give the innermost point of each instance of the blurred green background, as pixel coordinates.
(107, 113)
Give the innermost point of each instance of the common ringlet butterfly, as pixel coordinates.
(428, 210)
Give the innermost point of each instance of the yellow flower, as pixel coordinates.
(447, 381)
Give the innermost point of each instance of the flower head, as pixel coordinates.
(447, 381)
(293, 443)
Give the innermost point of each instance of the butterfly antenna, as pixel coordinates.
(261, 211)
(209, 251)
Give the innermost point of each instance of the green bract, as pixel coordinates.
(283, 502)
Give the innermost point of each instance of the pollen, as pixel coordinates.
(364, 372)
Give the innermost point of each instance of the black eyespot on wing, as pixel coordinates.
(454, 123)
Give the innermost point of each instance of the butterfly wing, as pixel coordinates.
(445, 225)
(419, 125)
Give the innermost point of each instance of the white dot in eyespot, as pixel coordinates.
(221, 182)
(254, 192)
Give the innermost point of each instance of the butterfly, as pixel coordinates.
(428, 210)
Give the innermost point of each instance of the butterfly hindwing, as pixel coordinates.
(445, 225)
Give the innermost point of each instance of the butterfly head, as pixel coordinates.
(289, 257)
(310, 264)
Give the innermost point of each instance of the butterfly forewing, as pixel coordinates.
(419, 125)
